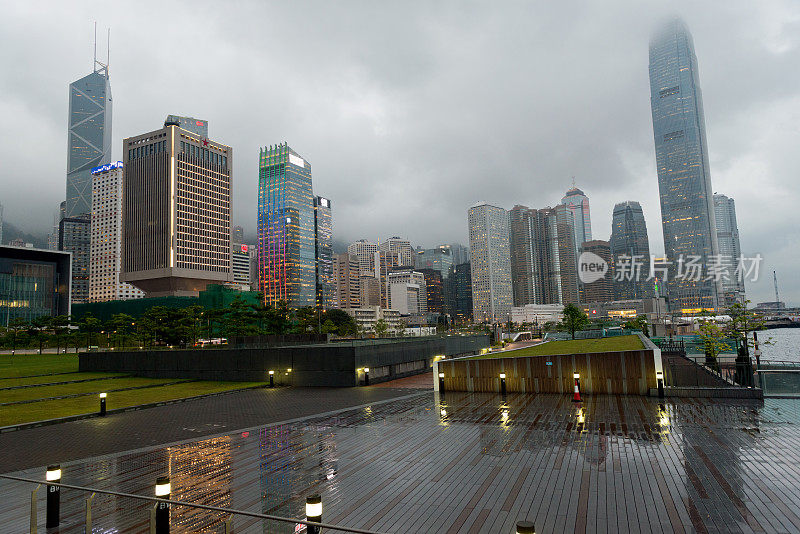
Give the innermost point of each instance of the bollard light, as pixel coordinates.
(103, 403)
(163, 490)
(314, 512)
(441, 383)
(366, 376)
(660, 382)
(525, 527)
(502, 384)
(272, 379)
(53, 474)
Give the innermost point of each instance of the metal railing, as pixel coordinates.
(155, 500)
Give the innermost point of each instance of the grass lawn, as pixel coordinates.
(38, 411)
(47, 379)
(37, 364)
(576, 346)
(97, 386)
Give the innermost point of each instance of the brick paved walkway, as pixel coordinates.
(472, 463)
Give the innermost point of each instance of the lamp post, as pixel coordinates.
(525, 527)
(503, 384)
(314, 512)
(103, 403)
(53, 474)
(163, 489)
(660, 381)
(366, 376)
(441, 382)
(577, 396)
(272, 379)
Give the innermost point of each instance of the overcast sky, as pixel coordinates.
(412, 112)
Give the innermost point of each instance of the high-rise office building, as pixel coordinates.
(562, 277)
(176, 212)
(369, 291)
(630, 252)
(460, 253)
(1, 224)
(346, 272)
(33, 283)
(522, 239)
(398, 252)
(368, 257)
(459, 293)
(105, 248)
(323, 229)
(438, 258)
(75, 236)
(601, 290)
(89, 137)
(684, 178)
(578, 203)
(237, 234)
(286, 228)
(729, 249)
(190, 124)
(240, 265)
(407, 292)
(491, 263)
(434, 290)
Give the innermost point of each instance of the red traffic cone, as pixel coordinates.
(577, 396)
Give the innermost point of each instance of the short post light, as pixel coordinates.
(660, 381)
(103, 403)
(163, 490)
(577, 396)
(366, 376)
(272, 379)
(441, 382)
(525, 527)
(53, 474)
(503, 384)
(314, 512)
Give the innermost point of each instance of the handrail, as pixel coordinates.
(191, 505)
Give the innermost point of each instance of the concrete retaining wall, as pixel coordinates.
(332, 364)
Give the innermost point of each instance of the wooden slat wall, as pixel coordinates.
(627, 372)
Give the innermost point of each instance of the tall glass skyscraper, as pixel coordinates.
(578, 203)
(286, 228)
(323, 224)
(729, 249)
(684, 179)
(629, 240)
(89, 137)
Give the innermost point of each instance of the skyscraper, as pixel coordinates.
(601, 290)
(88, 137)
(459, 292)
(286, 228)
(630, 252)
(438, 258)
(348, 288)
(729, 249)
(176, 212)
(578, 203)
(238, 234)
(434, 290)
(368, 257)
(684, 178)
(398, 252)
(105, 261)
(563, 279)
(522, 238)
(491, 263)
(323, 229)
(74, 235)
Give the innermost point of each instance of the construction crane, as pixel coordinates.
(775, 283)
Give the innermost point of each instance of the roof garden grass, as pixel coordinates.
(572, 346)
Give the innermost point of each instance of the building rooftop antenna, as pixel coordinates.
(775, 283)
(103, 67)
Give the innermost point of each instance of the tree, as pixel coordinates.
(574, 319)
(344, 324)
(88, 325)
(16, 325)
(712, 337)
(639, 323)
(308, 319)
(60, 325)
(742, 322)
(381, 328)
(39, 327)
(121, 324)
(240, 319)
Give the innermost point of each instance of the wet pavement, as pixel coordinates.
(469, 463)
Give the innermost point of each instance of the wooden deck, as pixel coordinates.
(472, 463)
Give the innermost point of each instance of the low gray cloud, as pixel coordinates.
(411, 112)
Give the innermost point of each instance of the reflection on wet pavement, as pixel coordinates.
(469, 463)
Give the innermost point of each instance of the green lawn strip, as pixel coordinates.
(108, 385)
(38, 411)
(37, 364)
(572, 346)
(52, 379)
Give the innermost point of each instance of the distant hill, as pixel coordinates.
(12, 232)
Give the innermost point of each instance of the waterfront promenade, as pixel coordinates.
(405, 460)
